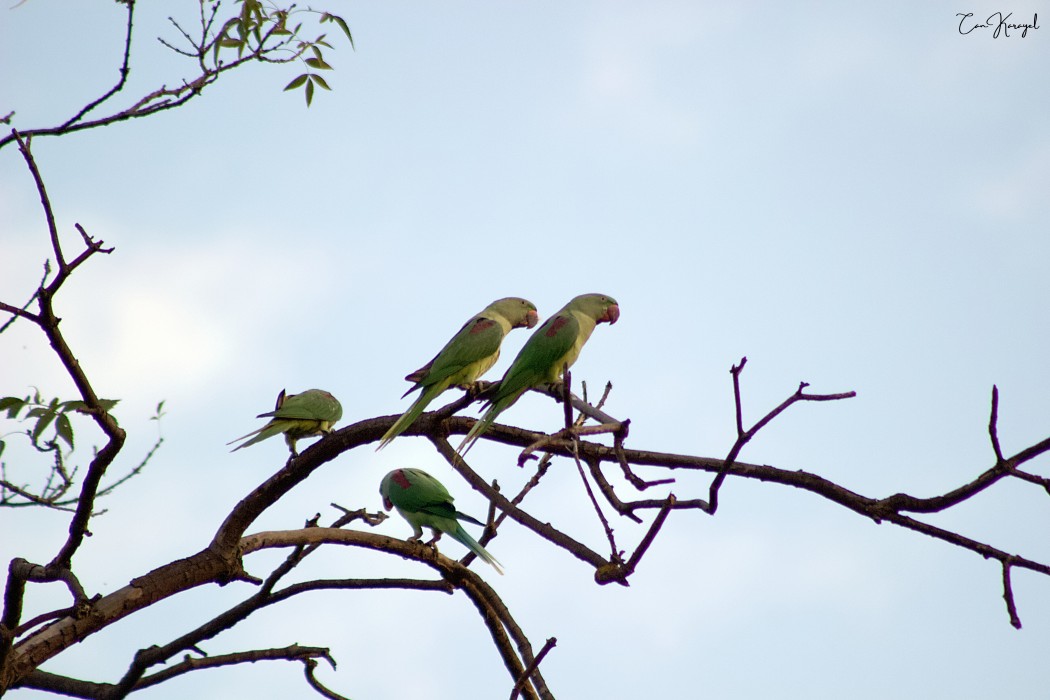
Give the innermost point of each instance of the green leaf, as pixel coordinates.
(2, 446)
(64, 429)
(108, 404)
(11, 404)
(318, 63)
(41, 425)
(309, 91)
(298, 82)
(231, 43)
(230, 24)
(320, 81)
(76, 405)
(327, 17)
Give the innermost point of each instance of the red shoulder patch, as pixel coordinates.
(401, 480)
(556, 325)
(482, 324)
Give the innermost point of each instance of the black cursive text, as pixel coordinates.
(999, 23)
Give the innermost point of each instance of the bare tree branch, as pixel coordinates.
(309, 665)
(192, 663)
(125, 70)
(491, 608)
(550, 644)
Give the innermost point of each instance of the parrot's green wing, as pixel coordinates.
(537, 359)
(312, 404)
(425, 502)
(479, 338)
(477, 343)
(536, 364)
(416, 491)
(312, 412)
(467, 356)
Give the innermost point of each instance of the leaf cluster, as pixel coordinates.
(216, 44)
(255, 26)
(47, 413)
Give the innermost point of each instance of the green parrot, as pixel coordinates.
(424, 502)
(312, 412)
(551, 347)
(470, 353)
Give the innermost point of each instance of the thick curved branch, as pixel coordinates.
(488, 603)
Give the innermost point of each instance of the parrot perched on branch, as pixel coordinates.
(312, 412)
(470, 353)
(550, 349)
(424, 502)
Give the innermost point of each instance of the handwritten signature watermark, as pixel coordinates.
(999, 23)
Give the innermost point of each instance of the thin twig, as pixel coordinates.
(614, 552)
(49, 214)
(993, 425)
(735, 370)
(548, 645)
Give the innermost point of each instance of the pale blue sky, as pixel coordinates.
(849, 196)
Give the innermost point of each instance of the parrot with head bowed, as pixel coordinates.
(312, 412)
(550, 349)
(424, 502)
(470, 353)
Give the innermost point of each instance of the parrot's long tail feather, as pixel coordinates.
(408, 417)
(470, 543)
(267, 431)
(242, 437)
(478, 429)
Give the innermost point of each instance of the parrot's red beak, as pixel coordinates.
(531, 319)
(611, 315)
(387, 504)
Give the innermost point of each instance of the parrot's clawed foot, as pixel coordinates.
(418, 540)
(433, 541)
(481, 389)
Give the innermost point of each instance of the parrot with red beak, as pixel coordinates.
(550, 349)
